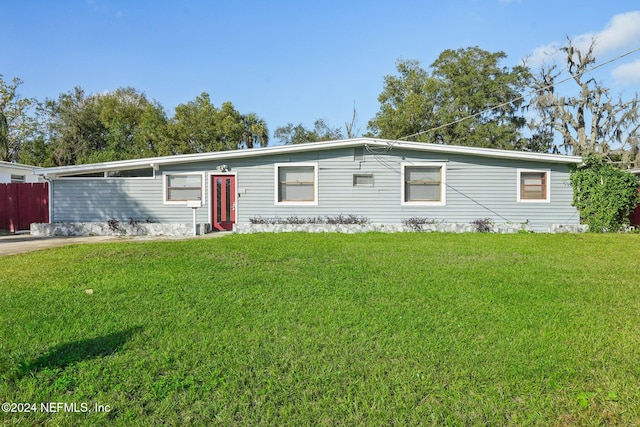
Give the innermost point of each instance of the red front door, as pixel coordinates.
(223, 201)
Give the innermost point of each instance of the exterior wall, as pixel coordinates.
(99, 199)
(477, 187)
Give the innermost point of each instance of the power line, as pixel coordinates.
(518, 98)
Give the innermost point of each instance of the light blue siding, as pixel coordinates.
(477, 187)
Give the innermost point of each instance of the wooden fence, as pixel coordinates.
(23, 204)
(635, 215)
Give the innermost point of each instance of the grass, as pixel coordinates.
(301, 329)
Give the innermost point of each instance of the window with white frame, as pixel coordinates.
(533, 185)
(424, 184)
(296, 183)
(181, 187)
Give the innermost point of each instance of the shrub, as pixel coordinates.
(483, 225)
(604, 195)
(340, 219)
(417, 223)
(134, 222)
(346, 219)
(114, 224)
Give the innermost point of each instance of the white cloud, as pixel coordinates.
(627, 74)
(622, 31)
(544, 54)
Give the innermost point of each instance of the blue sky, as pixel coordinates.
(289, 61)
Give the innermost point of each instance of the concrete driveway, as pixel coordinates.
(20, 243)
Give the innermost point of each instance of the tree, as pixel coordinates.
(255, 132)
(151, 137)
(407, 104)
(466, 100)
(298, 134)
(480, 99)
(134, 126)
(590, 122)
(604, 195)
(78, 128)
(194, 127)
(75, 131)
(15, 122)
(4, 138)
(350, 127)
(198, 126)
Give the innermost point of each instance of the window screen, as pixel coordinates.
(184, 187)
(296, 184)
(423, 184)
(533, 185)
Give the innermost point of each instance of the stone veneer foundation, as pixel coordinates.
(395, 228)
(179, 230)
(123, 229)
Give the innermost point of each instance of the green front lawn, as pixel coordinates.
(324, 329)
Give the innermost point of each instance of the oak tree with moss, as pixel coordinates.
(466, 99)
(588, 120)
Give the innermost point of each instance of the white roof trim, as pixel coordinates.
(17, 166)
(311, 146)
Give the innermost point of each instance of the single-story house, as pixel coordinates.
(383, 181)
(11, 173)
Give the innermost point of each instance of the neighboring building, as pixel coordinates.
(384, 181)
(635, 215)
(17, 173)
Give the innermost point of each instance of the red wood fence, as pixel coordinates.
(23, 204)
(635, 215)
